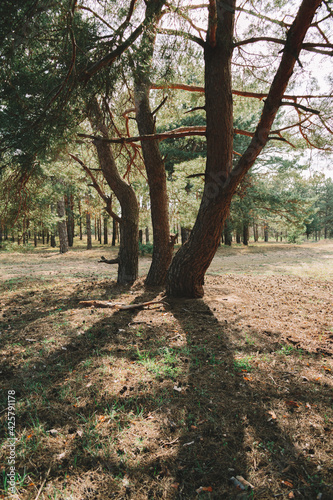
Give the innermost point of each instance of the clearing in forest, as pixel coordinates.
(174, 400)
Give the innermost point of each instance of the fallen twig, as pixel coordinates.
(101, 303)
(42, 485)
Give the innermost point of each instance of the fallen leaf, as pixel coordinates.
(272, 414)
(175, 485)
(288, 484)
(292, 404)
(291, 495)
(29, 436)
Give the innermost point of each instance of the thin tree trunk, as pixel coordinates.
(147, 234)
(88, 229)
(114, 232)
(80, 220)
(245, 233)
(128, 256)
(62, 226)
(105, 230)
(155, 168)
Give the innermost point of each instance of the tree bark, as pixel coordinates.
(70, 218)
(186, 274)
(80, 222)
(155, 168)
(105, 230)
(128, 255)
(114, 232)
(245, 233)
(62, 226)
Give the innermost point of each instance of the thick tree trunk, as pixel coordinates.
(188, 268)
(128, 256)
(62, 226)
(88, 229)
(162, 249)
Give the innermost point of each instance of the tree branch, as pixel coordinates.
(95, 184)
(241, 93)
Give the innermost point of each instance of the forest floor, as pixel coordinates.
(172, 401)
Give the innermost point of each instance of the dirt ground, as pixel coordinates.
(176, 401)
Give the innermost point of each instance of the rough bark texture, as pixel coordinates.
(186, 273)
(162, 250)
(62, 226)
(128, 250)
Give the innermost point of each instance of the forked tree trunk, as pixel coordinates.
(186, 274)
(155, 168)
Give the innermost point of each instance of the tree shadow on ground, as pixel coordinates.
(232, 428)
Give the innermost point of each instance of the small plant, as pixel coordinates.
(145, 248)
(287, 350)
(243, 364)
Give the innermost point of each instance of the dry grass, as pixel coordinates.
(161, 402)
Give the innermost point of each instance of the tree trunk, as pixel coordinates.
(245, 233)
(227, 232)
(155, 168)
(128, 256)
(140, 236)
(70, 219)
(188, 268)
(80, 221)
(105, 230)
(147, 235)
(88, 229)
(114, 232)
(266, 232)
(53, 240)
(62, 226)
(184, 234)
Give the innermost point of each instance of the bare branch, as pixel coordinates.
(255, 95)
(95, 185)
(183, 34)
(300, 106)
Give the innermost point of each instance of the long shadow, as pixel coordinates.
(221, 420)
(229, 425)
